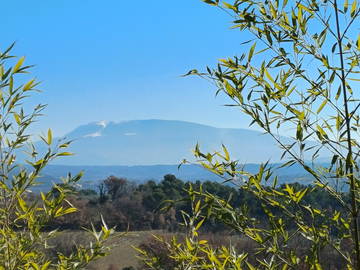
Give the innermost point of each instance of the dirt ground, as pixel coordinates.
(122, 255)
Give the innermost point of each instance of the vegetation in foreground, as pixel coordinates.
(23, 243)
(298, 75)
(135, 208)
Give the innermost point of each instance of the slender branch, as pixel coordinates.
(323, 21)
(349, 161)
(301, 162)
(350, 23)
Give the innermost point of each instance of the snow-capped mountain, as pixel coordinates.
(149, 142)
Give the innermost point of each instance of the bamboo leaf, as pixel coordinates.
(353, 8)
(199, 224)
(305, 8)
(251, 52)
(267, 74)
(18, 64)
(17, 118)
(338, 93)
(227, 156)
(49, 137)
(64, 154)
(210, 2)
(197, 207)
(336, 216)
(68, 211)
(322, 106)
(28, 85)
(299, 132)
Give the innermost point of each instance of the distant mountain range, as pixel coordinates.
(134, 150)
(152, 142)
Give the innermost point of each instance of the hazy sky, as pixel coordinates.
(121, 60)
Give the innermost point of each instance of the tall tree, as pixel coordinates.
(116, 186)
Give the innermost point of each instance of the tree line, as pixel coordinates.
(159, 205)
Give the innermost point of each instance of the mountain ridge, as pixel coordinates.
(154, 141)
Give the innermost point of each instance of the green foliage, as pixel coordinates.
(194, 253)
(23, 217)
(297, 77)
(139, 208)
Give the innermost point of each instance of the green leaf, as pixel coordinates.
(299, 132)
(353, 8)
(305, 8)
(18, 64)
(69, 210)
(321, 131)
(336, 216)
(65, 154)
(288, 164)
(197, 207)
(301, 194)
(339, 121)
(227, 156)
(22, 204)
(210, 2)
(251, 52)
(49, 137)
(325, 61)
(28, 85)
(231, 91)
(17, 118)
(346, 5)
(322, 106)
(229, 6)
(199, 224)
(268, 36)
(267, 74)
(46, 266)
(338, 93)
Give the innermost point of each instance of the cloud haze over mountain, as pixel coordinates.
(150, 142)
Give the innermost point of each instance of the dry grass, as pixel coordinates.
(121, 255)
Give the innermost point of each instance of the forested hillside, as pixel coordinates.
(153, 206)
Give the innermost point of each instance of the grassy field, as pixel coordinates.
(122, 254)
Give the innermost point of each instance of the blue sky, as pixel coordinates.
(122, 60)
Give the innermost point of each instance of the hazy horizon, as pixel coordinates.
(122, 61)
